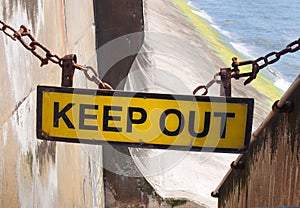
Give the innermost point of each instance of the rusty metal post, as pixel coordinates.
(68, 69)
(225, 88)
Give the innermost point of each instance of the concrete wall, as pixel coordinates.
(119, 35)
(270, 177)
(115, 21)
(36, 173)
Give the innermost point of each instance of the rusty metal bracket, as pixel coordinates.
(236, 71)
(225, 89)
(68, 68)
(287, 107)
(215, 194)
(239, 165)
(227, 73)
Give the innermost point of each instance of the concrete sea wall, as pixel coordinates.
(269, 176)
(36, 173)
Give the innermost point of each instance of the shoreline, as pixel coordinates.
(262, 84)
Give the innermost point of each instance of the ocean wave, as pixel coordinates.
(282, 84)
(209, 19)
(254, 25)
(223, 32)
(204, 15)
(241, 48)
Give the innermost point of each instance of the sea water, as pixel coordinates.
(254, 28)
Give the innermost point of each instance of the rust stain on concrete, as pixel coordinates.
(30, 6)
(271, 175)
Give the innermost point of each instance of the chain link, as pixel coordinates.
(274, 56)
(24, 36)
(91, 75)
(257, 65)
(32, 45)
(208, 85)
(6, 28)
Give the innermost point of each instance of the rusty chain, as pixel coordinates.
(93, 76)
(290, 48)
(32, 45)
(208, 85)
(257, 65)
(262, 61)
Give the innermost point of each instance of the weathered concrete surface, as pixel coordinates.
(36, 173)
(114, 19)
(176, 59)
(271, 175)
(119, 31)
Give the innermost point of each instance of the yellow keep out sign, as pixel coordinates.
(182, 122)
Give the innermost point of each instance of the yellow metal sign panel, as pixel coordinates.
(144, 119)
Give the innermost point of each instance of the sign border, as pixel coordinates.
(96, 92)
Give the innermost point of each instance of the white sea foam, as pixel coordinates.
(282, 84)
(223, 32)
(242, 48)
(203, 14)
(238, 46)
(280, 81)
